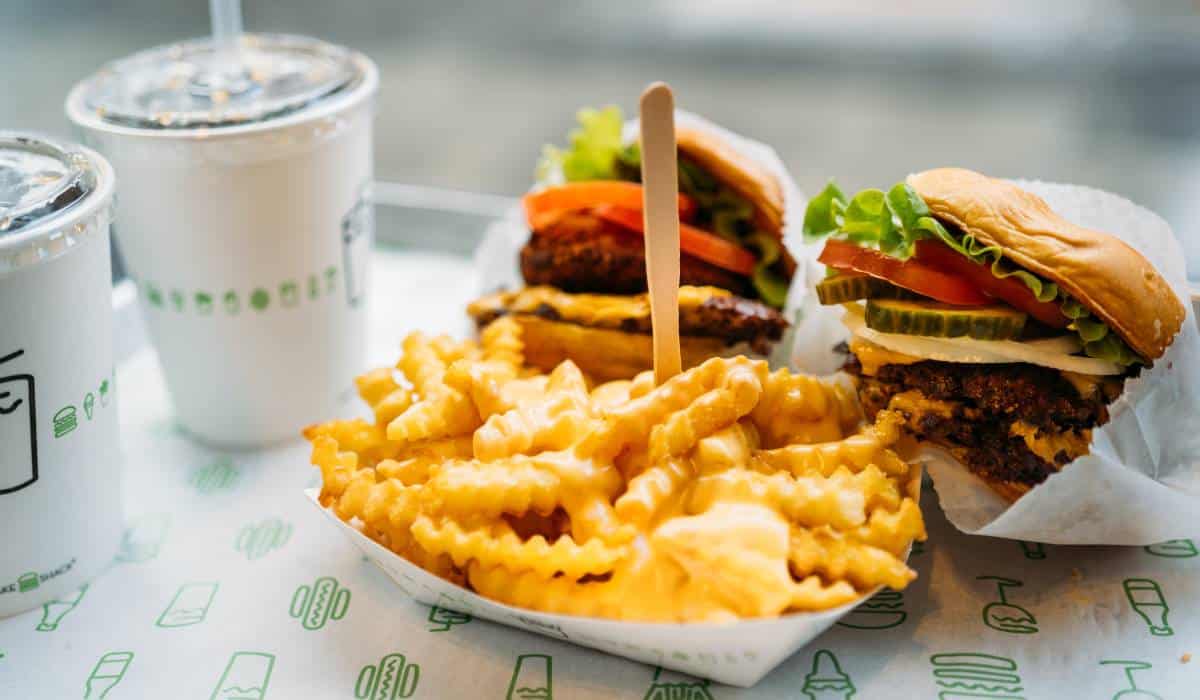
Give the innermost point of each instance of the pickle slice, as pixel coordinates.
(937, 320)
(844, 288)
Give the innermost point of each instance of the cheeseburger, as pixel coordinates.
(993, 327)
(584, 263)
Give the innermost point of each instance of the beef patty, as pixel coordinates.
(984, 414)
(578, 252)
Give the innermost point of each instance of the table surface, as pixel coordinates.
(223, 552)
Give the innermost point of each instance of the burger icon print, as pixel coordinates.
(18, 426)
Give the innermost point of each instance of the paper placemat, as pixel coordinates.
(229, 585)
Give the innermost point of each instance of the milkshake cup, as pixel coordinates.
(60, 490)
(244, 219)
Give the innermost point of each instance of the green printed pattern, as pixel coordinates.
(319, 603)
(259, 539)
(390, 679)
(1147, 600)
(532, 678)
(884, 610)
(1004, 616)
(1133, 691)
(442, 619)
(66, 420)
(661, 689)
(221, 474)
(976, 675)
(246, 677)
(54, 611)
(143, 540)
(826, 679)
(189, 606)
(107, 674)
(204, 302)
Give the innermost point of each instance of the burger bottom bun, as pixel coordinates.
(604, 354)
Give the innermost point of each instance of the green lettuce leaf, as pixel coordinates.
(771, 287)
(894, 221)
(594, 150)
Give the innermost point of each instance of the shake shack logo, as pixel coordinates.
(30, 580)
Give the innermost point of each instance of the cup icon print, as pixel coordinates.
(54, 611)
(1133, 692)
(1175, 549)
(18, 428)
(144, 538)
(827, 680)
(357, 225)
(1004, 616)
(966, 675)
(883, 610)
(108, 672)
(330, 279)
(1147, 600)
(389, 679)
(442, 619)
(189, 606)
(232, 303)
(105, 392)
(314, 287)
(532, 678)
(177, 299)
(89, 405)
(259, 539)
(246, 677)
(319, 603)
(66, 421)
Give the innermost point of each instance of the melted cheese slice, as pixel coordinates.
(592, 310)
(1047, 445)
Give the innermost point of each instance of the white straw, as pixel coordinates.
(226, 18)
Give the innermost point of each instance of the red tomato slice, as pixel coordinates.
(699, 244)
(911, 274)
(1010, 289)
(585, 195)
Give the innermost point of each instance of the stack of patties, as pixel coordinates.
(584, 264)
(998, 330)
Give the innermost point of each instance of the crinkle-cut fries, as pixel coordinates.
(728, 492)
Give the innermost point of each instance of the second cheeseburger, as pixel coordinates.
(994, 327)
(584, 263)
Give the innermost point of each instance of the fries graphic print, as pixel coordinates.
(727, 492)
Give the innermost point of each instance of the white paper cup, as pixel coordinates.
(60, 486)
(249, 244)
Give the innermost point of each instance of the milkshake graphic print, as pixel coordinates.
(18, 427)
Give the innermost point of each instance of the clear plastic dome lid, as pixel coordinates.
(38, 179)
(194, 85)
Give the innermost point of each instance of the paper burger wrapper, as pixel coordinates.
(1141, 482)
(738, 653)
(497, 257)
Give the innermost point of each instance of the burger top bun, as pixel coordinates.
(1099, 270)
(743, 175)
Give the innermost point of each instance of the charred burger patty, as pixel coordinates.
(1010, 423)
(579, 252)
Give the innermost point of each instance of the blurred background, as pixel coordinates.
(1097, 92)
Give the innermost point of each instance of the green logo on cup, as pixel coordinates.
(319, 603)
(177, 299)
(27, 581)
(153, 295)
(65, 421)
(289, 294)
(260, 299)
(233, 305)
(204, 303)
